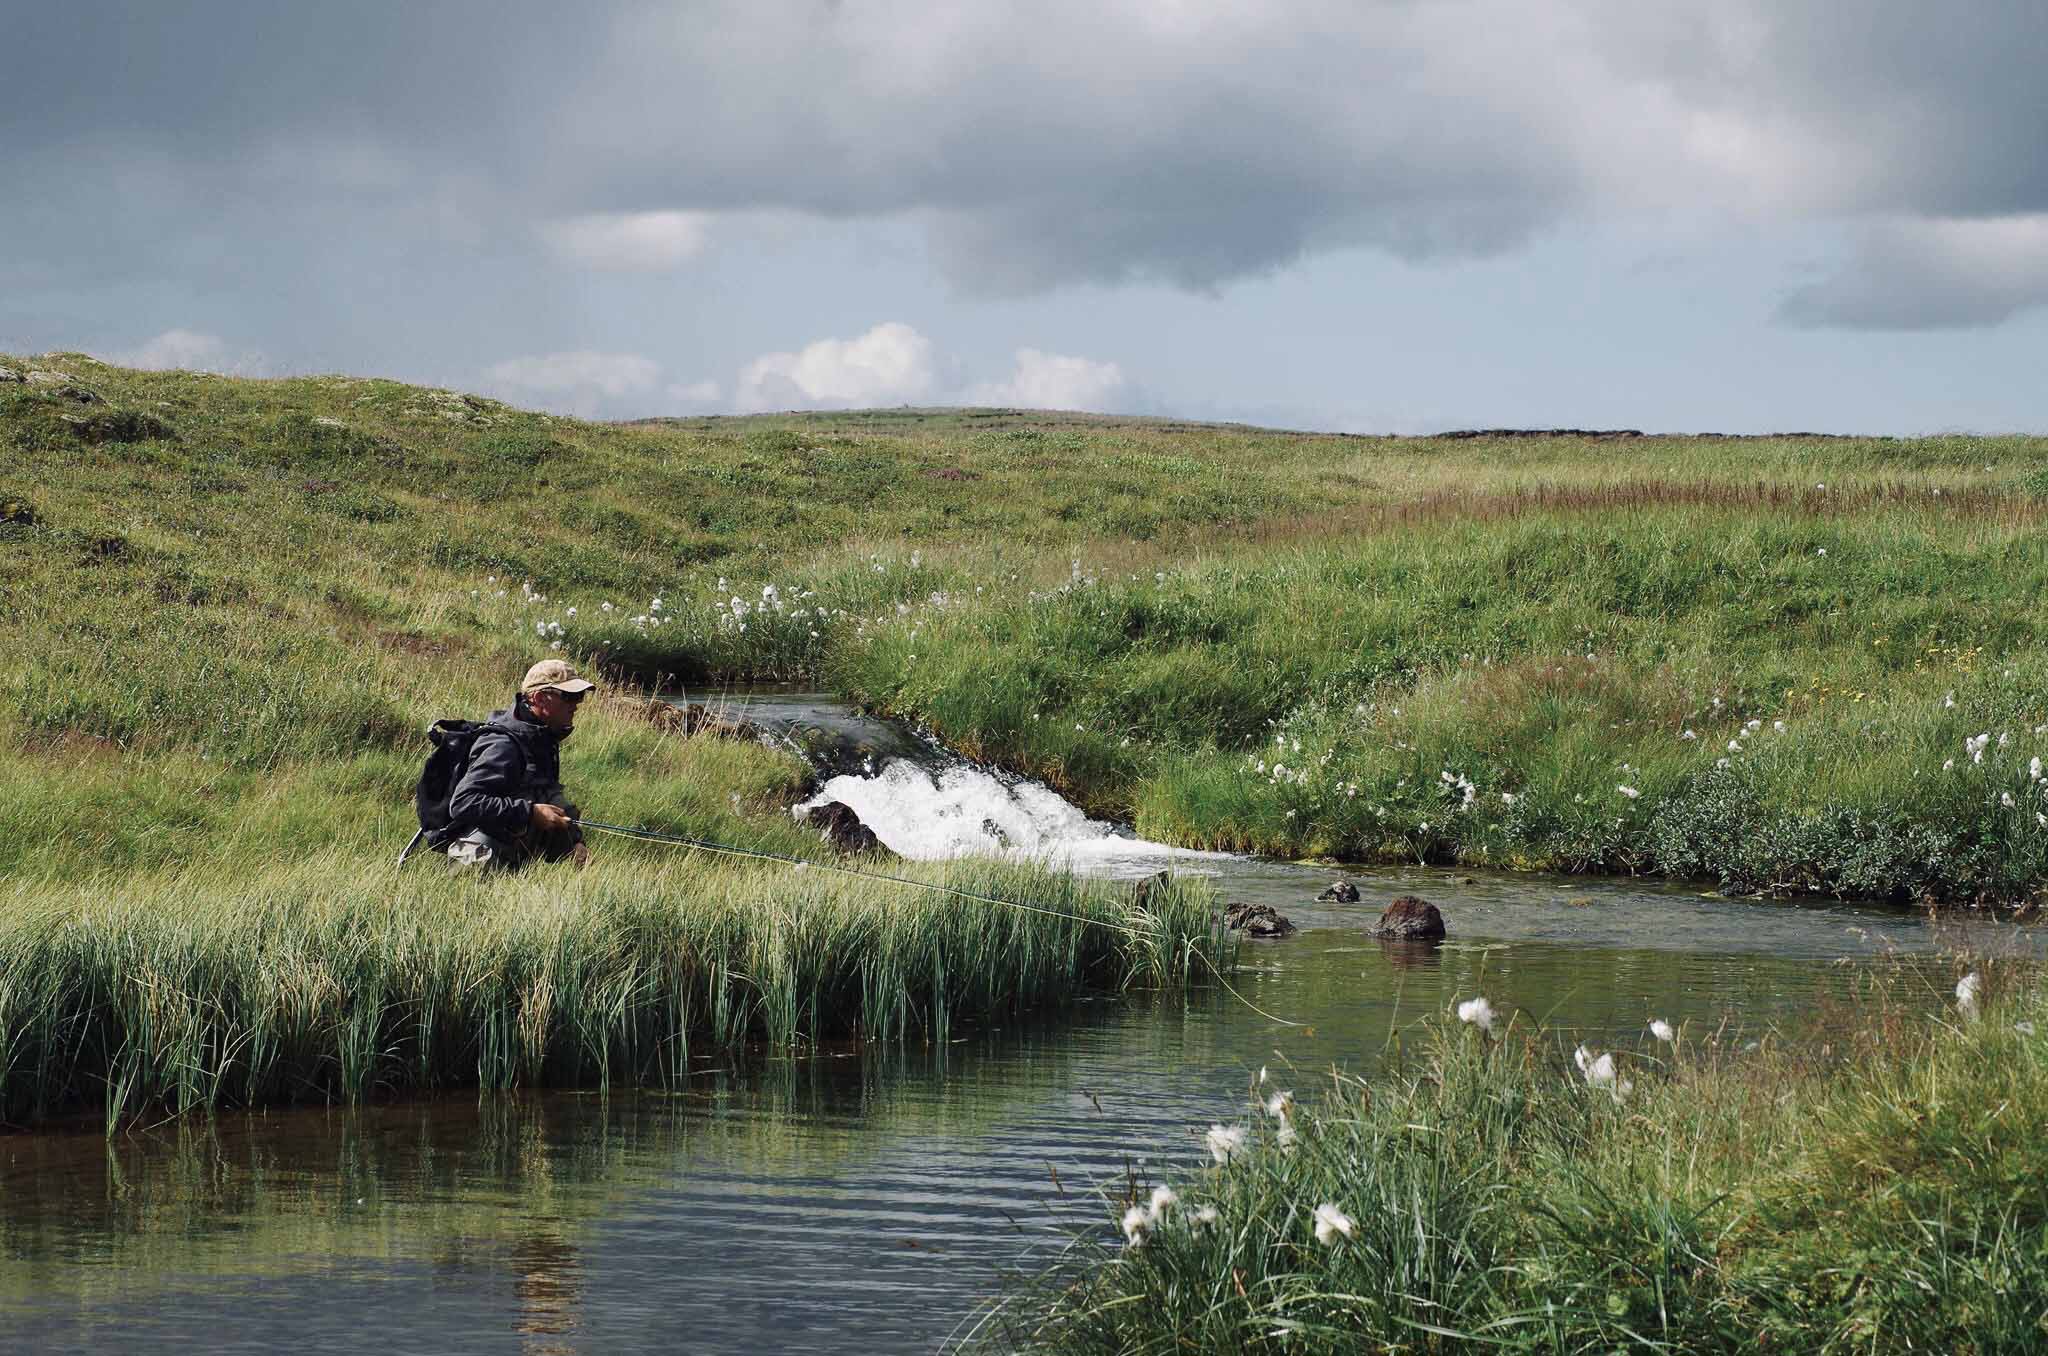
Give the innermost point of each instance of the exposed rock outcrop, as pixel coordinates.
(1343, 892)
(60, 385)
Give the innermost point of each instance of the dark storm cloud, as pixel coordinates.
(242, 143)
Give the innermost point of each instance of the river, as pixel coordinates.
(871, 1200)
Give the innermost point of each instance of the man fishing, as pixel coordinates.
(508, 805)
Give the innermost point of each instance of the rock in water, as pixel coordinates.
(1142, 892)
(842, 828)
(1411, 919)
(1256, 920)
(1343, 892)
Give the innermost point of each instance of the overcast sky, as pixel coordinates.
(1373, 215)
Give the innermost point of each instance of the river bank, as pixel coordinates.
(327, 982)
(879, 1197)
(1876, 1186)
(1795, 665)
(1784, 665)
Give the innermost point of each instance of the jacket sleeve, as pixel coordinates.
(485, 796)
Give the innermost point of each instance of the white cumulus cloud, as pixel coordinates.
(1053, 381)
(185, 350)
(581, 383)
(891, 364)
(695, 392)
(632, 242)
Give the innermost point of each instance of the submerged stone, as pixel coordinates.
(1257, 920)
(1343, 892)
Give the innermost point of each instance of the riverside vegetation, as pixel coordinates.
(209, 747)
(1879, 1190)
(1789, 664)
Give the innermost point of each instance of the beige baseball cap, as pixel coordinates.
(557, 674)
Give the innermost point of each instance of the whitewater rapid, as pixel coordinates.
(932, 814)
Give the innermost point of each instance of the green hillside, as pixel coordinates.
(1441, 648)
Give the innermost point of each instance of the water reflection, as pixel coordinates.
(856, 1200)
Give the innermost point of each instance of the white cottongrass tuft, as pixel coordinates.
(1628, 791)
(1478, 1012)
(1280, 1105)
(1600, 1073)
(1137, 1223)
(1968, 990)
(1201, 1217)
(1332, 1222)
(1225, 1141)
(1661, 1029)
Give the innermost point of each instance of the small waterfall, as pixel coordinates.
(958, 810)
(928, 804)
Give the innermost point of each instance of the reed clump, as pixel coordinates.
(1876, 1188)
(322, 981)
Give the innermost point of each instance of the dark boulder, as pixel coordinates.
(1411, 919)
(1343, 892)
(1256, 920)
(841, 827)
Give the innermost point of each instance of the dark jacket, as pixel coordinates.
(512, 763)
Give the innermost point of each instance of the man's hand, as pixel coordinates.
(546, 818)
(580, 854)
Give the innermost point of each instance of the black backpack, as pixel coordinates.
(451, 740)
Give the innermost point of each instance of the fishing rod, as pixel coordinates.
(647, 835)
(800, 863)
(706, 845)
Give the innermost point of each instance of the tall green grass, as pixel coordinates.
(324, 980)
(1879, 1187)
(232, 607)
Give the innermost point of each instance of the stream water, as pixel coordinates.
(870, 1202)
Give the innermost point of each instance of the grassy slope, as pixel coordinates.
(234, 606)
(270, 600)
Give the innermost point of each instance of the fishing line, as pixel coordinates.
(801, 864)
